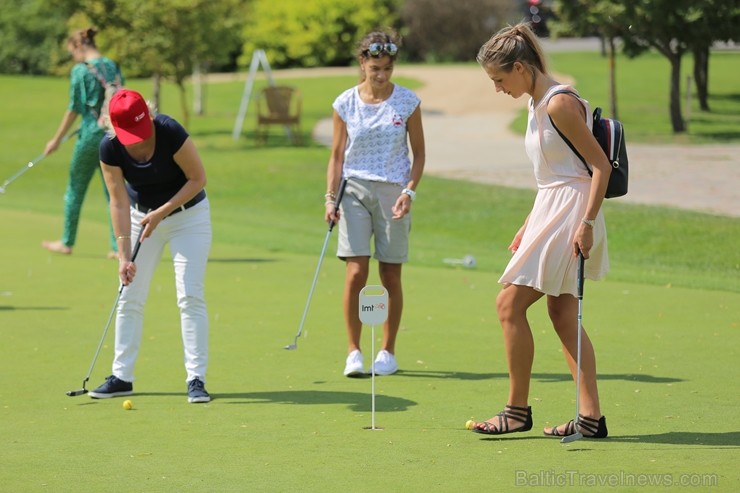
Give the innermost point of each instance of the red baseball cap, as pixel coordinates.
(129, 115)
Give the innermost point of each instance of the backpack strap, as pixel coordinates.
(94, 71)
(568, 142)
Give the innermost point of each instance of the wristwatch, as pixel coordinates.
(410, 193)
(589, 222)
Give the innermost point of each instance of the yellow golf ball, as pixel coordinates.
(469, 424)
(128, 405)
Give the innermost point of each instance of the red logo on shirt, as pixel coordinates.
(397, 121)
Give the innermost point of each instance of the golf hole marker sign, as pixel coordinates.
(373, 305)
(373, 311)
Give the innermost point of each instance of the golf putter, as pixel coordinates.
(31, 164)
(578, 435)
(338, 201)
(83, 390)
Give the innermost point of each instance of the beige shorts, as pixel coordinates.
(366, 211)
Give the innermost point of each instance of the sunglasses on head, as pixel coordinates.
(376, 49)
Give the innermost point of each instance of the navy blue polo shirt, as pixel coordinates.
(156, 181)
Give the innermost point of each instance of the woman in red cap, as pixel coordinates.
(156, 182)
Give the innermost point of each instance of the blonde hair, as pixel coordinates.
(513, 44)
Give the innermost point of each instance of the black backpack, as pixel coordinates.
(609, 133)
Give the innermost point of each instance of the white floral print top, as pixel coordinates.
(377, 145)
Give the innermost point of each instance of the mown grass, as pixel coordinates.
(664, 323)
(271, 196)
(643, 95)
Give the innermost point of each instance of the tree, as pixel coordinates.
(452, 31)
(300, 33)
(586, 17)
(166, 38)
(671, 27)
(718, 21)
(30, 30)
(663, 25)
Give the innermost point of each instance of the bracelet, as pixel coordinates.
(329, 202)
(329, 195)
(123, 237)
(589, 222)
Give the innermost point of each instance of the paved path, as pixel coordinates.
(467, 137)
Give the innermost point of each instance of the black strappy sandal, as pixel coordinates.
(520, 414)
(588, 427)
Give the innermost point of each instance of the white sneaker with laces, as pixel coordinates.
(354, 366)
(385, 363)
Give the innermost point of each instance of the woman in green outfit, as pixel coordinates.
(86, 95)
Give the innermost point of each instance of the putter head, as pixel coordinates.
(294, 346)
(75, 393)
(572, 438)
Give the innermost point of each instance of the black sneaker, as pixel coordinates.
(112, 387)
(197, 391)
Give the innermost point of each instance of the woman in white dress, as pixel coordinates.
(564, 220)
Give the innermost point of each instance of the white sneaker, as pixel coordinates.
(354, 366)
(385, 363)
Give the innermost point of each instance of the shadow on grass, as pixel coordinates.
(724, 439)
(357, 401)
(542, 377)
(32, 308)
(729, 439)
(241, 260)
(227, 260)
(724, 97)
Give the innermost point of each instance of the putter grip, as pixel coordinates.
(581, 265)
(340, 194)
(137, 245)
(133, 257)
(136, 248)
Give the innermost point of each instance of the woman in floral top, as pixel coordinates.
(375, 124)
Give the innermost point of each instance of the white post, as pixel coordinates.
(372, 378)
(259, 57)
(246, 95)
(373, 310)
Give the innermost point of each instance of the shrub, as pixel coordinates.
(297, 33)
(452, 31)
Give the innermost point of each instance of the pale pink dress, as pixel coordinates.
(544, 260)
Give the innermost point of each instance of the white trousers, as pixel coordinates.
(188, 234)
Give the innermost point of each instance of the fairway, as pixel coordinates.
(289, 421)
(665, 324)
